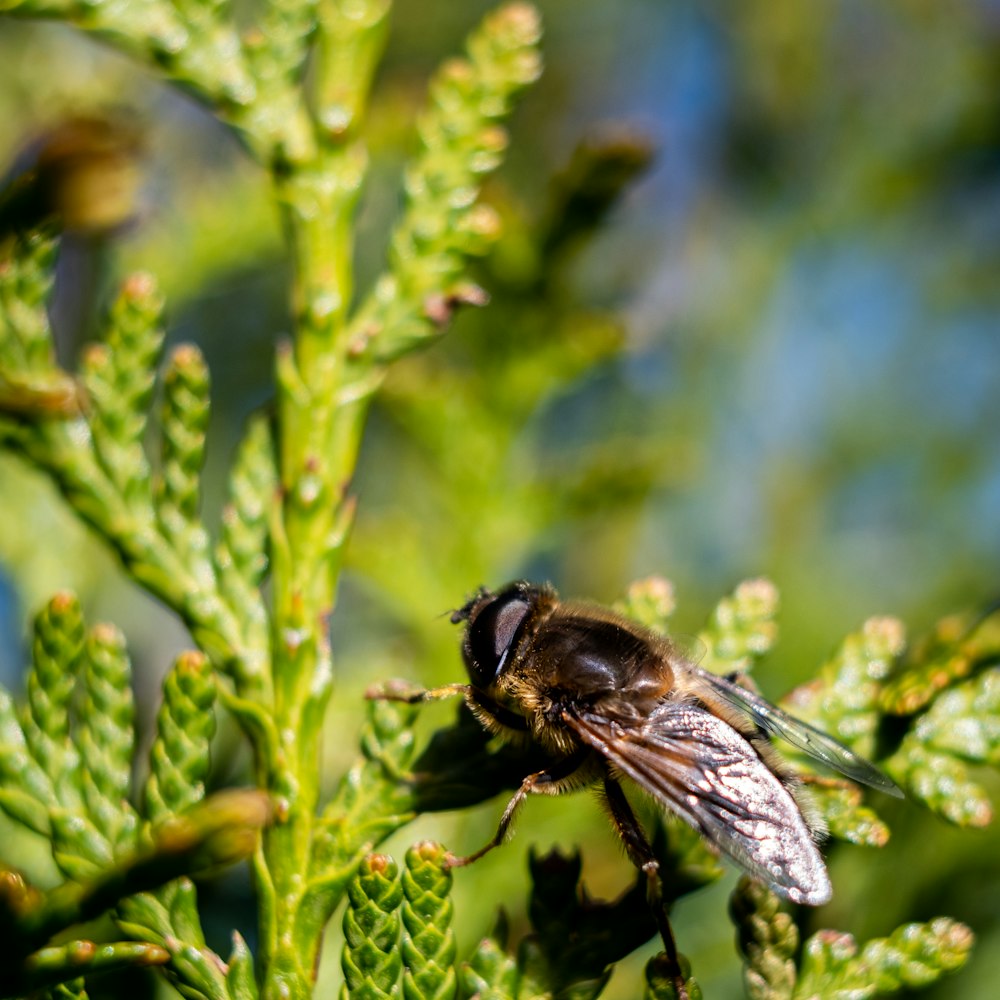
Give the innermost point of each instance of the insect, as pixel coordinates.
(606, 698)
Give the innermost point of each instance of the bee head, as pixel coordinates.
(496, 623)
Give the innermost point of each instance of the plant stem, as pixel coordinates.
(322, 402)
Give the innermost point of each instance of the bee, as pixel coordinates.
(606, 699)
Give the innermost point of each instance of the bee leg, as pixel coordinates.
(641, 855)
(742, 679)
(559, 771)
(401, 691)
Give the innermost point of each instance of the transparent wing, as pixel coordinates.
(703, 770)
(807, 738)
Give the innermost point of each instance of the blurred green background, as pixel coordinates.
(777, 354)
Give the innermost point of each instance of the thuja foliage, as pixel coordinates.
(256, 591)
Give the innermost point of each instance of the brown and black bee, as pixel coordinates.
(606, 698)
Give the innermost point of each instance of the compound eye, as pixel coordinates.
(492, 635)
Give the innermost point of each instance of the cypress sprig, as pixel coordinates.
(370, 803)
(197, 973)
(491, 973)
(372, 784)
(57, 645)
(25, 284)
(651, 601)
(742, 627)
(26, 792)
(917, 954)
(829, 963)
(100, 466)
(962, 725)
(184, 423)
(72, 989)
(240, 980)
(253, 485)
(387, 739)
(840, 805)
(18, 901)
(106, 736)
(222, 829)
(241, 557)
(31, 383)
(461, 140)
(304, 130)
(79, 848)
(145, 886)
(371, 959)
(660, 984)
(146, 916)
(277, 46)
(913, 956)
(213, 62)
(218, 830)
(51, 965)
(844, 699)
(687, 863)
(953, 650)
(428, 944)
(350, 38)
(182, 902)
(119, 375)
(199, 51)
(767, 938)
(185, 724)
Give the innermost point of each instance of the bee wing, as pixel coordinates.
(702, 769)
(807, 738)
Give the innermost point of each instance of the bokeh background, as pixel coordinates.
(778, 353)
